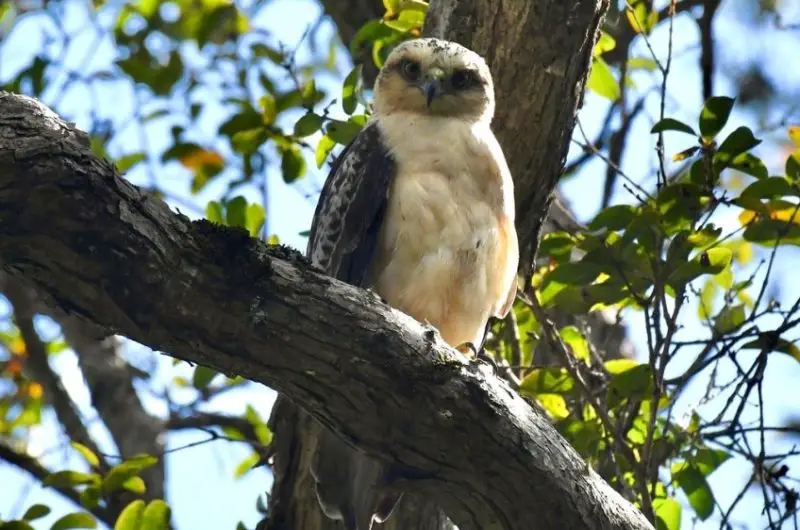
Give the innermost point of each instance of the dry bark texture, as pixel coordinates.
(539, 53)
(109, 255)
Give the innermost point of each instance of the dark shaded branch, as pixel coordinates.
(110, 384)
(106, 253)
(706, 24)
(32, 466)
(109, 379)
(203, 420)
(349, 16)
(38, 366)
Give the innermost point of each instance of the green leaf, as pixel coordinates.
(705, 308)
(119, 474)
(75, 520)
(750, 164)
(262, 50)
(214, 212)
(739, 141)
(342, 132)
(547, 380)
(771, 232)
(642, 17)
(125, 162)
(269, 110)
(793, 166)
(711, 261)
(135, 485)
(602, 81)
(202, 376)
(248, 141)
(309, 94)
(557, 244)
(554, 404)
(90, 497)
(69, 479)
(324, 148)
(577, 342)
(308, 124)
(350, 90)
(605, 43)
(256, 216)
(668, 514)
(671, 124)
(293, 165)
(618, 366)
(406, 20)
(642, 63)
(131, 516)
(769, 188)
(634, 383)
(730, 318)
(694, 485)
(36, 511)
(614, 218)
(236, 214)
(156, 516)
(262, 432)
(242, 121)
(705, 236)
(246, 465)
(715, 115)
(86, 453)
(708, 460)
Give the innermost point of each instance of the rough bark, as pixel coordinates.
(539, 54)
(108, 254)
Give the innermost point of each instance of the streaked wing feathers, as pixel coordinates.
(350, 210)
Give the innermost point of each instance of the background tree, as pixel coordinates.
(231, 111)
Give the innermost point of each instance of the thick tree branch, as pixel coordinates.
(108, 254)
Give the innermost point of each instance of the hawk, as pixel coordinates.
(419, 207)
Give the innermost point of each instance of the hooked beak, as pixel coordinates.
(432, 85)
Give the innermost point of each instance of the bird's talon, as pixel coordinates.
(486, 358)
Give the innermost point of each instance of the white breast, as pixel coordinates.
(448, 250)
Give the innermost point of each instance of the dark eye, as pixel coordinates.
(462, 79)
(410, 69)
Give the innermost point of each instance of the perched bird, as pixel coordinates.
(419, 207)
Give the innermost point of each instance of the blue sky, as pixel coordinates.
(205, 495)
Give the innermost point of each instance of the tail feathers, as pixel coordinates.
(350, 485)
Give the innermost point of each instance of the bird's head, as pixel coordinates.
(435, 77)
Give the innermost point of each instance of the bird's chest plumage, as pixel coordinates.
(445, 249)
